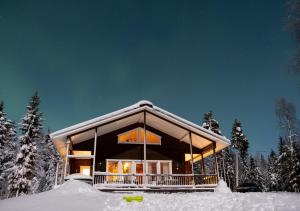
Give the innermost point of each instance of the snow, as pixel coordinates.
(79, 176)
(78, 196)
(222, 187)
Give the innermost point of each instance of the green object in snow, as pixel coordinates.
(133, 198)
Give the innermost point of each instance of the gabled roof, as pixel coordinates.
(156, 117)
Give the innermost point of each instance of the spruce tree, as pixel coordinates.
(24, 178)
(283, 164)
(229, 165)
(294, 177)
(50, 159)
(210, 123)
(273, 172)
(240, 143)
(7, 148)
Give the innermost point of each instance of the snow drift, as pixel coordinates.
(78, 196)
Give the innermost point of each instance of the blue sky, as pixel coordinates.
(87, 58)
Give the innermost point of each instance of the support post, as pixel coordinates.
(216, 162)
(145, 156)
(67, 157)
(192, 157)
(94, 158)
(236, 169)
(202, 163)
(56, 173)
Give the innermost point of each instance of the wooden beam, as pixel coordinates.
(192, 157)
(95, 147)
(216, 162)
(67, 158)
(145, 152)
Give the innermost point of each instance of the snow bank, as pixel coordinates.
(78, 196)
(222, 187)
(79, 176)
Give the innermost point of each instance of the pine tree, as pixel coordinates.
(7, 148)
(272, 172)
(24, 176)
(50, 160)
(229, 165)
(283, 164)
(240, 143)
(210, 123)
(294, 177)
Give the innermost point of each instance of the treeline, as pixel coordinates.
(279, 171)
(28, 161)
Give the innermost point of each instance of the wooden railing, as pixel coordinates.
(154, 180)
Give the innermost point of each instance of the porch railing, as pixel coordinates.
(155, 180)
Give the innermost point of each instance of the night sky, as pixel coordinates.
(88, 58)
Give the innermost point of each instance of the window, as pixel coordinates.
(152, 167)
(85, 170)
(116, 166)
(81, 153)
(139, 168)
(136, 136)
(126, 167)
(164, 168)
(112, 166)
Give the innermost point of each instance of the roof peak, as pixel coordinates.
(145, 103)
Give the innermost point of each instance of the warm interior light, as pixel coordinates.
(81, 153)
(85, 170)
(196, 157)
(126, 167)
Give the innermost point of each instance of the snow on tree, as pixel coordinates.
(294, 177)
(7, 148)
(289, 128)
(272, 172)
(210, 123)
(229, 167)
(24, 175)
(49, 161)
(240, 143)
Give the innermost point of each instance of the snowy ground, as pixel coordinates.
(78, 196)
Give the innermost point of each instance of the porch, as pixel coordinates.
(105, 181)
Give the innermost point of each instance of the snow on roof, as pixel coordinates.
(140, 104)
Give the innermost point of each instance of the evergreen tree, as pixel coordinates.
(7, 148)
(272, 172)
(294, 178)
(50, 160)
(283, 164)
(240, 143)
(210, 123)
(229, 165)
(23, 177)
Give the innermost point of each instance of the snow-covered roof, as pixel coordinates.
(156, 117)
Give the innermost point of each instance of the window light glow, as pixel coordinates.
(85, 170)
(136, 136)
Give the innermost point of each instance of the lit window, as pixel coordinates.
(112, 166)
(136, 136)
(81, 153)
(85, 170)
(126, 167)
(196, 157)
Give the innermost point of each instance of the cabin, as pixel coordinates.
(140, 147)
